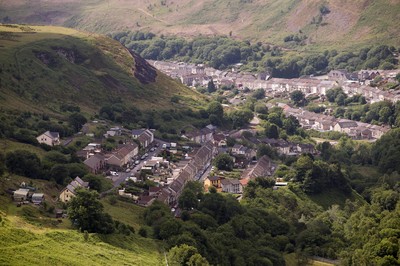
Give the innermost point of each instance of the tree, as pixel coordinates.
(290, 124)
(76, 120)
(215, 108)
(263, 149)
(297, 97)
(181, 255)
(275, 118)
(258, 94)
(223, 162)
(240, 118)
(211, 86)
(261, 109)
(197, 260)
(97, 182)
(86, 213)
(271, 131)
(25, 163)
(340, 99)
(59, 173)
(187, 200)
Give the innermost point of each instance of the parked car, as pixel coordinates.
(137, 162)
(113, 173)
(153, 149)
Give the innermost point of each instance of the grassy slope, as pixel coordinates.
(36, 77)
(29, 235)
(348, 24)
(21, 245)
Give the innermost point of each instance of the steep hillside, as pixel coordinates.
(324, 22)
(43, 67)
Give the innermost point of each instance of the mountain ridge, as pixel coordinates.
(325, 23)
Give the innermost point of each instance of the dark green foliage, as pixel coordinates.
(263, 149)
(271, 131)
(86, 213)
(2, 163)
(185, 255)
(25, 163)
(240, 118)
(60, 174)
(223, 162)
(211, 86)
(97, 182)
(215, 108)
(221, 52)
(188, 200)
(317, 176)
(386, 152)
(258, 94)
(332, 94)
(297, 97)
(77, 120)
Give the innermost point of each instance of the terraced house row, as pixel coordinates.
(191, 170)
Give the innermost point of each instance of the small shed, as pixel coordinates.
(21, 194)
(37, 198)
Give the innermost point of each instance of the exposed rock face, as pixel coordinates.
(143, 71)
(66, 54)
(70, 54)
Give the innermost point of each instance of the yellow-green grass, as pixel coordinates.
(334, 196)
(22, 244)
(10, 145)
(30, 235)
(368, 171)
(126, 212)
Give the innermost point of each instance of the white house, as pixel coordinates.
(49, 138)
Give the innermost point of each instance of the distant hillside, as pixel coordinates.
(44, 67)
(330, 23)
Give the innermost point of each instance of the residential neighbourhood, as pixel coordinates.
(205, 143)
(321, 122)
(357, 82)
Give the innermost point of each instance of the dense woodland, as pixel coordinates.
(222, 52)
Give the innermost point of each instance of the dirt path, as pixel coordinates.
(152, 16)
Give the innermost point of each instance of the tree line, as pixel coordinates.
(220, 52)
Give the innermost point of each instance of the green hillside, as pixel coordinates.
(22, 243)
(43, 67)
(323, 22)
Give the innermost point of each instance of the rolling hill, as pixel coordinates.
(43, 67)
(326, 23)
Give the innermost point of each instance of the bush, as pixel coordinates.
(143, 232)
